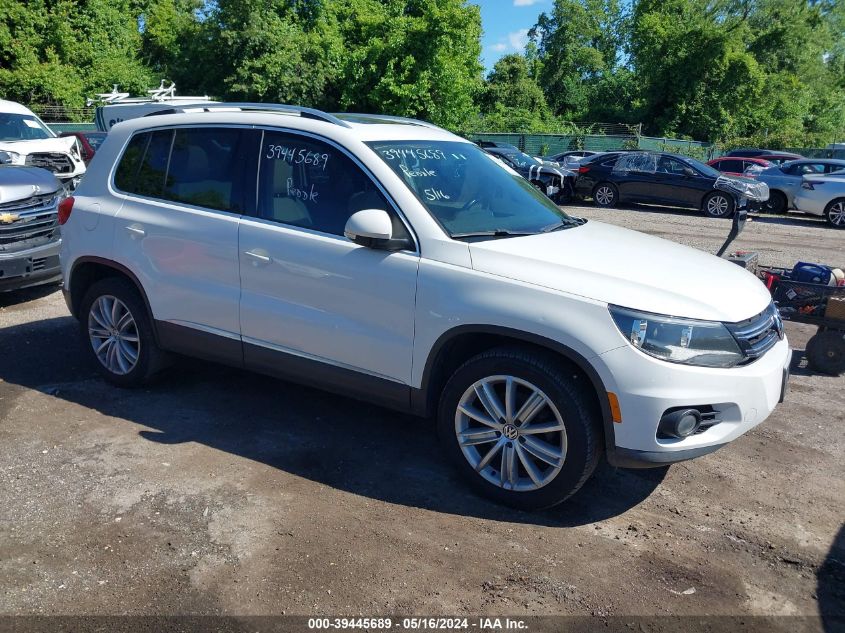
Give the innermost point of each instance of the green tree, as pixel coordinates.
(512, 99)
(579, 41)
(62, 51)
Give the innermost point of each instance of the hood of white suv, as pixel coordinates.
(623, 267)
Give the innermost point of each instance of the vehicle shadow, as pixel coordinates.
(25, 295)
(339, 442)
(830, 587)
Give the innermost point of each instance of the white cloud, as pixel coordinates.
(518, 39)
(499, 47)
(525, 3)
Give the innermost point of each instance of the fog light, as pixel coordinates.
(681, 423)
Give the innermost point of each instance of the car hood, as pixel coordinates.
(20, 183)
(59, 144)
(623, 267)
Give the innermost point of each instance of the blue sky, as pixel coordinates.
(506, 24)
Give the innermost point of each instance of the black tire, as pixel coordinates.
(826, 352)
(834, 213)
(149, 359)
(583, 435)
(718, 205)
(606, 194)
(776, 203)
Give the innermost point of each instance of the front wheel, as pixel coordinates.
(834, 213)
(519, 428)
(718, 205)
(826, 352)
(776, 203)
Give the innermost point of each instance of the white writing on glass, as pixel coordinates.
(307, 195)
(435, 194)
(297, 156)
(416, 173)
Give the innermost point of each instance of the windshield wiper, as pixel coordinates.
(564, 225)
(494, 233)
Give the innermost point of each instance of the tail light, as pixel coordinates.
(583, 169)
(65, 207)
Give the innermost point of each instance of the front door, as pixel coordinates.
(307, 292)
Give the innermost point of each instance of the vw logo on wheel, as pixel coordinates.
(510, 431)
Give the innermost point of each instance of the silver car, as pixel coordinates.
(825, 196)
(29, 229)
(785, 180)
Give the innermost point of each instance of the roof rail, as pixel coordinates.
(309, 113)
(391, 119)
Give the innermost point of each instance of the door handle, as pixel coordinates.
(258, 258)
(136, 231)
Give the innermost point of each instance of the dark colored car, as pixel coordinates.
(90, 142)
(665, 179)
(556, 182)
(739, 166)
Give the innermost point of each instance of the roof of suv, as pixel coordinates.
(363, 127)
(13, 107)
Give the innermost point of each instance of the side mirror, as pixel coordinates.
(690, 172)
(368, 227)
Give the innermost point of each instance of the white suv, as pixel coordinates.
(391, 261)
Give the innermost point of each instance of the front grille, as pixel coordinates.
(28, 223)
(51, 161)
(759, 334)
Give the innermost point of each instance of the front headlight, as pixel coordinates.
(10, 158)
(686, 341)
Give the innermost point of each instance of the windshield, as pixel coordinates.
(468, 192)
(522, 160)
(22, 127)
(95, 140)
(707, 170)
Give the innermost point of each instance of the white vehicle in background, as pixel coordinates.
(26, 140)
(115, 106)
(825, 196)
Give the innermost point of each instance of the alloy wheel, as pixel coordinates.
(718, 206)
(604, 195)
(114, 335)
(511, 433)
(836, 214)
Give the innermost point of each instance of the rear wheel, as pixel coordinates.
(834, 213)
(606, 195)
(519, 428)
(826, 352)
(776, 203)
(114, 322)
(718, 205)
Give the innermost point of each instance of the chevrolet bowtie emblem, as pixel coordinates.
(8, 218)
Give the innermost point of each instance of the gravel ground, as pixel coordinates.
(218, 491)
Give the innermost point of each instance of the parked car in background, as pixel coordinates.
(29, 229)
(557, 182)
(824, 196)
(771, 155)
(665, 179)
(739, 166)
(88, 141)
(785, 180)
(568, 157)
(26, 140)
(392, 261)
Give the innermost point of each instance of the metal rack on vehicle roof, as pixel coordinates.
(341, 119)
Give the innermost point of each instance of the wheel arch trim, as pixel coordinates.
(421, 397)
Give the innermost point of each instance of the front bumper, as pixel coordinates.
(646, 387)
(38, 265)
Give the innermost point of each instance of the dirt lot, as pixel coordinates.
(222, 492)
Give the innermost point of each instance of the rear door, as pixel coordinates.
(177, 230)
